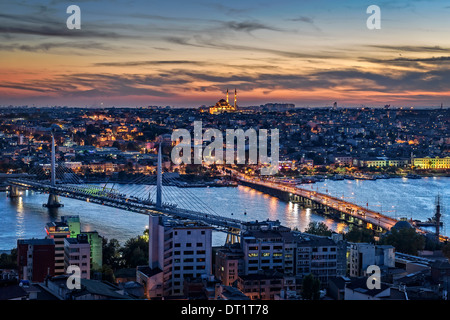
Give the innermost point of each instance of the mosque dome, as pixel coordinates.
(402, 225)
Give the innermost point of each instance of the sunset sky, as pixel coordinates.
(187, 53)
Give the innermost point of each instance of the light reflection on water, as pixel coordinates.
(25, 217)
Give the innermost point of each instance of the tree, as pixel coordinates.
(318, 228)
(111, 253)
(9, 261)
(446, 250)
(360, 235)
(310, 288)
(405, 240)
(108, 273)
(135, 251)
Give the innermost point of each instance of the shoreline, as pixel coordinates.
(428, 180)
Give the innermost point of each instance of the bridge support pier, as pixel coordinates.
(14, 191)
(53, 202)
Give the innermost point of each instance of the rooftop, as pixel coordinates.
(76, 241)
(360, 285)
(93, 287)
(36, 241)
(149, 272)
(12, 292)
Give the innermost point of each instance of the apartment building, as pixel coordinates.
(269, 247)
(229, 264)
(58, 231)
(77, 253)
(362, 255)
(179, 250)
(35, 259)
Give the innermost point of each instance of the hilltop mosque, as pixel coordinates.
(223, 106)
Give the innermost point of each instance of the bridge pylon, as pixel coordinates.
(14, 191)
(53, 199)
(53, 202)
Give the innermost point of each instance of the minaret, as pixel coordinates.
(235, 98)
(159, 179)
(438, 216)
(227, 95)
(53, 165)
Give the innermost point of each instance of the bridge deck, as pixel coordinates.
(130, 204)
(346, 207)
(365, 214)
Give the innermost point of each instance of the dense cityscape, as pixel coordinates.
(266, 261)
(224, 159)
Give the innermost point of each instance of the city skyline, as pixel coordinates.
(133, 53)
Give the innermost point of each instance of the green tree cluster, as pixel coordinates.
(405, 240)
(359, 235)
(318, 228)
(9, 261)
(310, 288)
(132, 254)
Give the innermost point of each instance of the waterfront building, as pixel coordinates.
(96, 253)
(77, 253)
(370, 163)
(35, 259)
(398, 162)
(58, 231)
(178, 250)
(432, 163)
(69, 226)
(342, 160)
(73, 222)
(268, 246)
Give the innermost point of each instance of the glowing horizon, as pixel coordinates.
(136, 53)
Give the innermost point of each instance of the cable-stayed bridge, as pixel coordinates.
(158, 195)
(145, 194)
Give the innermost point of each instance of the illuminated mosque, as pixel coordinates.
(223, 106)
